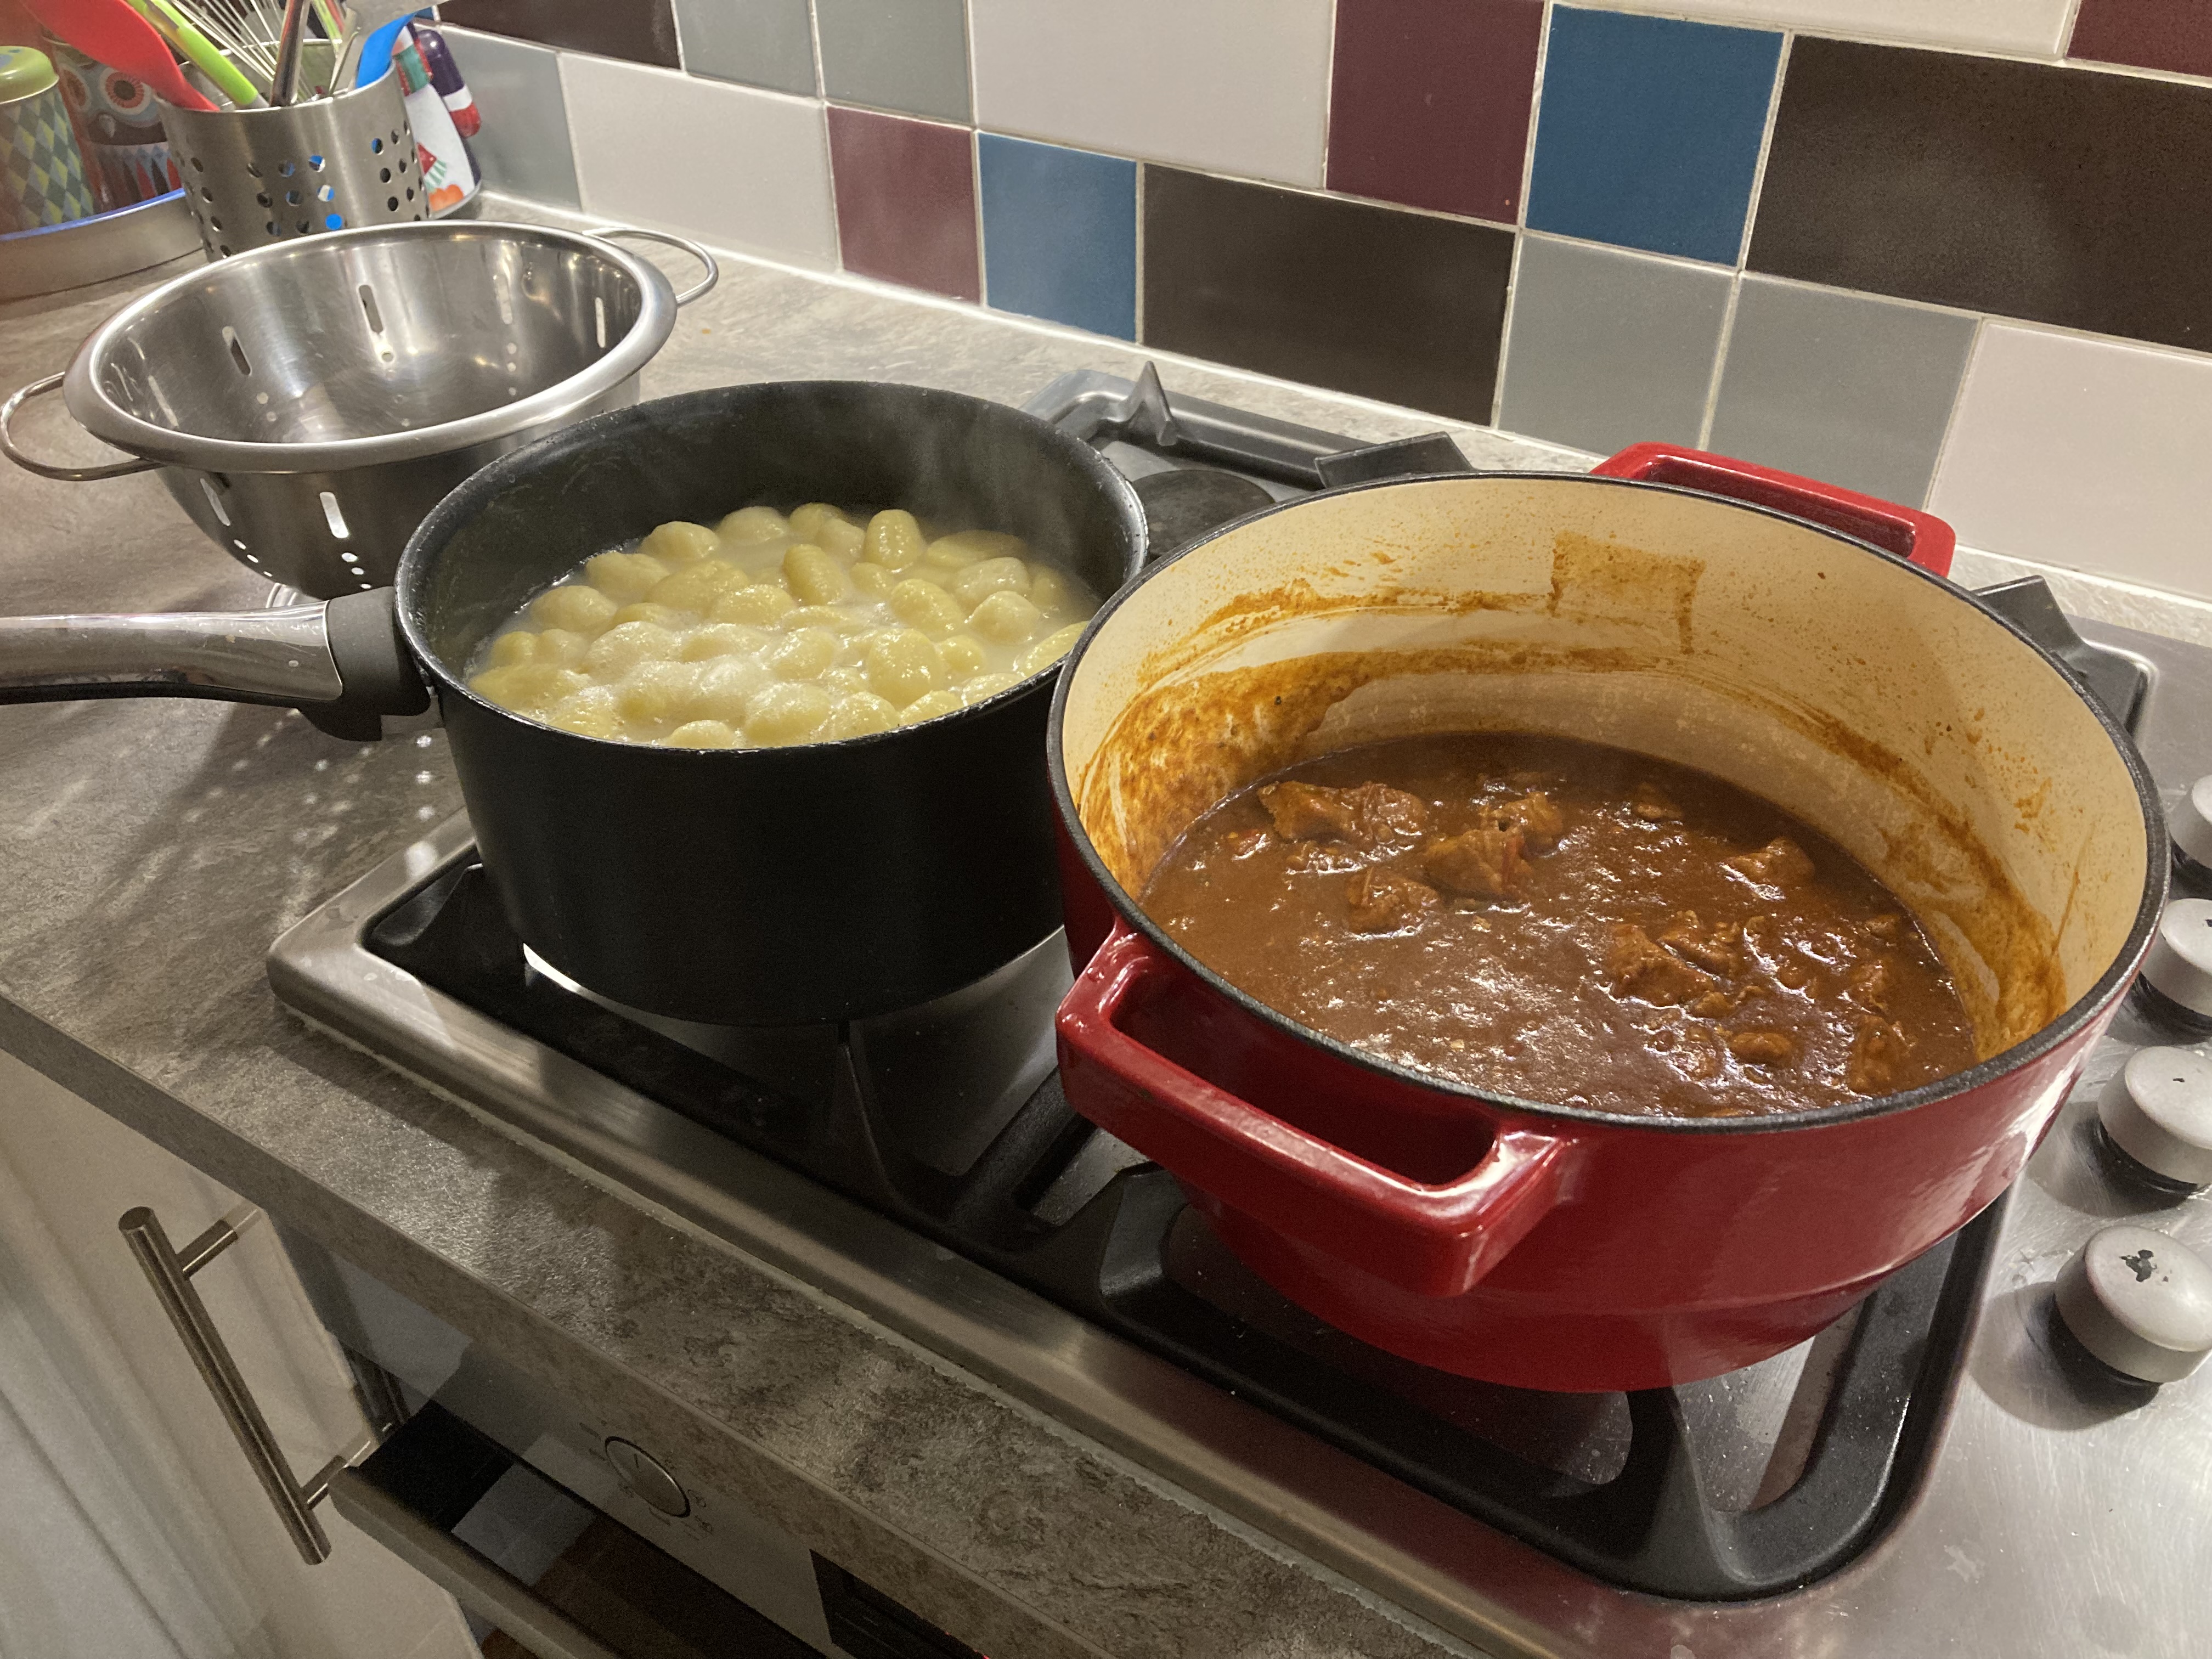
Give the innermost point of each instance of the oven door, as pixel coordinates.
(564, 1531)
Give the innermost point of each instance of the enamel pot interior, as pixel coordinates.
(1875, 701)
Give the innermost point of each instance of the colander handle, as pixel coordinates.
(47, 469)
(705, 285)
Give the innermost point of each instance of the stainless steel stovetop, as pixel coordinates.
(2054, 1509)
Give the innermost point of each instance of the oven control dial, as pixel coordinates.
(2158, 1111)
(647, 1479)
(2178, 970)
(2139, 1301)
(2191, 824)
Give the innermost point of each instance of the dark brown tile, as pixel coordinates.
(1429, 101)
(1387, 304)
(643, 31)
(2164, 34)
(2061, 195)
(906, 201)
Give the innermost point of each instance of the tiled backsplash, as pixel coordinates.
(1954, 253)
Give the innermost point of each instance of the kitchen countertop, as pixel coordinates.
(155, 849)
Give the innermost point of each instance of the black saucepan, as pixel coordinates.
(747, 886)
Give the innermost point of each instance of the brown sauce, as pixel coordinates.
(1566, 923)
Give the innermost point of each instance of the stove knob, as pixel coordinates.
(2140, 1302)
(2190, 824)
(2177, 975)
(644, 1476)
(2158, 1111)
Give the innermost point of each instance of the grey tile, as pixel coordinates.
(1840, 387)
(908, 55)
(524, 144)
(763, 43)
(1609, 348)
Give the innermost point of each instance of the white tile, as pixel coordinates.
(734, 165)
(2088, 454)
(2036, 25)
(1236, 86)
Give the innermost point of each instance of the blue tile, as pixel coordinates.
(1059, 233)
(1648, 132)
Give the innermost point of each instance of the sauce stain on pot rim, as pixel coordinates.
(1239, 681)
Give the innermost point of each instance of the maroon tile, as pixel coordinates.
(2044, 190)
(643, 31)
(1403, 307)
(1429, 101)
(906, 201)
(2162, 34)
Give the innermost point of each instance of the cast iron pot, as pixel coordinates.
(761, 886)
(1544, 1246)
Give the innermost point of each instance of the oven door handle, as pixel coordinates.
(472, 1578)
(169, 1271)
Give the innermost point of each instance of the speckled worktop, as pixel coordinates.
(153, 849)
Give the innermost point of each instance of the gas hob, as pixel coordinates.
(1945, 1470)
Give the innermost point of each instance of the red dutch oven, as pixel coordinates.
(1795, 639)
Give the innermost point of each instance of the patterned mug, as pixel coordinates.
(42, 178)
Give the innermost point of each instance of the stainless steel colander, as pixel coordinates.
(309, 402)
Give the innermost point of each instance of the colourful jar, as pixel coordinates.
(119, 128)
(42, 178)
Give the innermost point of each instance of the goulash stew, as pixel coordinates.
(1566, 923)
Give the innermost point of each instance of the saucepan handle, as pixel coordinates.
(343, 663)
(1921, 538)
(1432, 1240)
(683, 244)
(51, 469)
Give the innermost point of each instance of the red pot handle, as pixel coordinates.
(1434, 1241)
(1922, 538)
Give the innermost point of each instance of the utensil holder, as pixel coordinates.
(256, 176)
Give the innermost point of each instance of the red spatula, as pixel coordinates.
(111, 32)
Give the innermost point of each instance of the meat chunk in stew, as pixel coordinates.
(1377, 902)
(1636, 967)
(1480, 863)
(1370, 815)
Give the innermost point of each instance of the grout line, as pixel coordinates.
(1328, 92)
(1720, 362)
(2072, 20)
(1765, 148)
(1951, 420)
(1137, 310)
(1505, 334)
(975, 185)
(814, 39)
(976, 155)
(1536, 114)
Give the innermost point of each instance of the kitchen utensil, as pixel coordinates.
(1544, 1246)
(372, 27)
(309, 403)
(42, 178)
(111, 32)
(782, 887)
(177, 32)
(245, 32)
(284, 80)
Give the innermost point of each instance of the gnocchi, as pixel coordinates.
(767, 629)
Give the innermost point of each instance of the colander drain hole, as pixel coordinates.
(368, 309)
(335, 516)
(214, 501)
(237, 352)
(599, 317)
